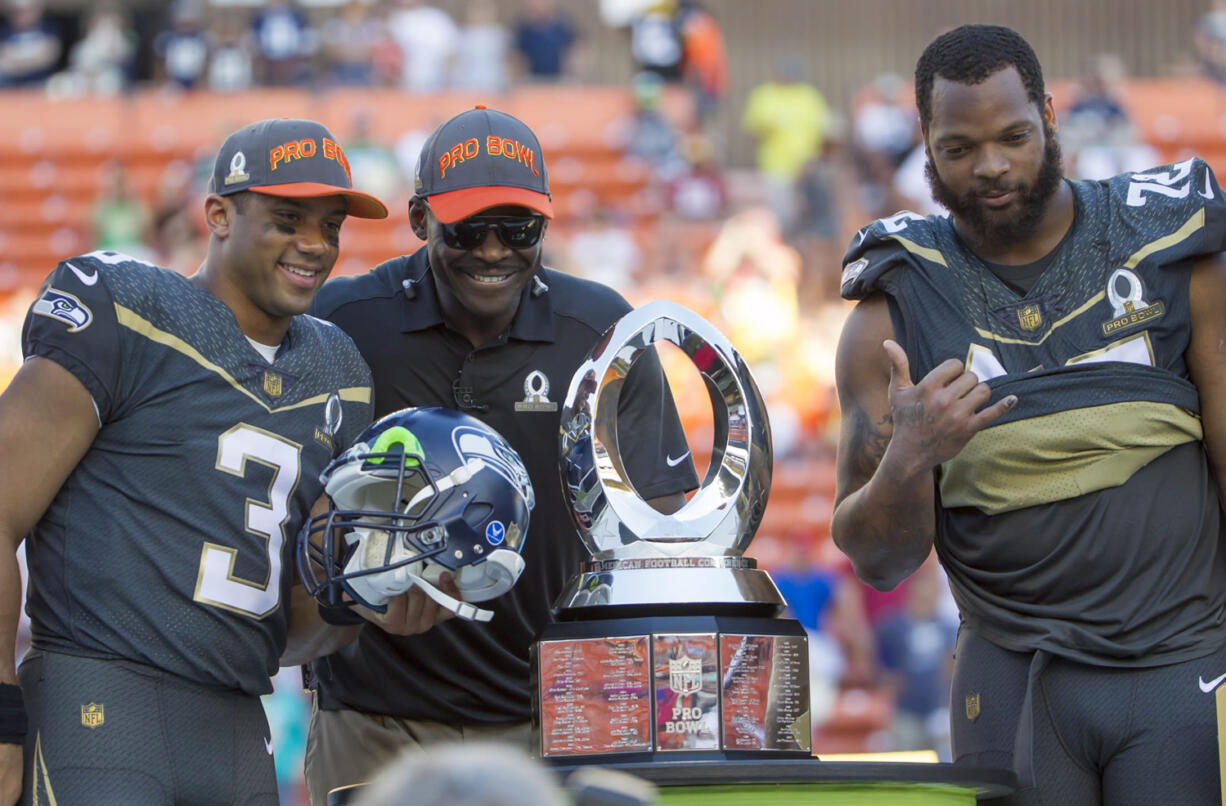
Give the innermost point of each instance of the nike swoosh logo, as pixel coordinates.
(674, 462)
(268, 746)
(1212, 684)
(88, 279)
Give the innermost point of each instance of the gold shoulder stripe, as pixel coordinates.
(1196, 222)
(137, 323)
(926, 252)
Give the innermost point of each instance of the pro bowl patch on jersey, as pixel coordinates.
(65, 307)
(470, 443)
(1129, 308)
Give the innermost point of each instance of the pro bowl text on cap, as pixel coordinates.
(293, 158)
(479, 159)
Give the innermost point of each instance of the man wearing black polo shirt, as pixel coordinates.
(473, 321)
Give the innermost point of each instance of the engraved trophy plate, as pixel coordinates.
(668, 643)
(765, 692)
(595, 696)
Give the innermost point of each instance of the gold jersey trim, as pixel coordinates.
(138, 324)
(926, 252)
(1062, 455)
(1192, 225)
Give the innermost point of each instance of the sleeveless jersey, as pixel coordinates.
(171, 543)
(1085, 521)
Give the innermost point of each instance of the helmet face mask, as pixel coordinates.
(424, 491)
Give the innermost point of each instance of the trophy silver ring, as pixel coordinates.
(618, 527)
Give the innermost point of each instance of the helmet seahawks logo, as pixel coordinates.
(65, 307)
(470, 443)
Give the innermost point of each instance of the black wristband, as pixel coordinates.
(12, 715)
(340, 615)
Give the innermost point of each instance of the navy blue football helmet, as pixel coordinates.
(422, 491)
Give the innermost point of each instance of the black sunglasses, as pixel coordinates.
(515, 232)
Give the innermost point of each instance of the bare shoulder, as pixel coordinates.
(860, 358)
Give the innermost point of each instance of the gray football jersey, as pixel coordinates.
(1086, 520)
(171, 543)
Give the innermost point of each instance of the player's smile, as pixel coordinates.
(302, 275)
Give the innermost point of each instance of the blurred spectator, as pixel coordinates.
(480, 61)
(815, 232)
(182, 49)
(544, 38)
(788, 117)
(372, 164)
(231, 65)
(915, 648)
(120, 218)
(649, 135)
(704, 59)
(604, 250)
(176, 236)
(386, 57)
(1096, 133)
(284, 43)
(427, 37)
(349, 41)
(30, 45)
(885, 128)
(700, 191)
(1209, 41)
(655, 40)
(444, 775)
(101, 60)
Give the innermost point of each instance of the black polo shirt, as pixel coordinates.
(460, 672)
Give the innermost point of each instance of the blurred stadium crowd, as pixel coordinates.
(111, 117)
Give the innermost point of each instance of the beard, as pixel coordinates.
(999, 230)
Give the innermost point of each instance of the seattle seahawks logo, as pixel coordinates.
(472, 443)
(63, 306)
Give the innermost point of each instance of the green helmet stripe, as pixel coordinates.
(389, 439)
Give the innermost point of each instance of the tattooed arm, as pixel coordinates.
(894, 433)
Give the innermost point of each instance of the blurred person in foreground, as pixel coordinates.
(159, 448)
(1035, 385)
(474, 321)
(444, 776)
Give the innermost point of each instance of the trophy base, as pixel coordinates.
(671, 687)
(669, 585)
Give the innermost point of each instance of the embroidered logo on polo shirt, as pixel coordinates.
(536, 394)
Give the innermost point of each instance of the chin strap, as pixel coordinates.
(464, 610)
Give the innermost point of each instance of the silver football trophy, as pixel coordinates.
(668, 642)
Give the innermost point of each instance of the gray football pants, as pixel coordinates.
(1085, 735)
(109, 732)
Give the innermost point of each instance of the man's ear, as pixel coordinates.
(419, 217)
(218, 215)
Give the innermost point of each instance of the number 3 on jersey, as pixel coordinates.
(216, 583)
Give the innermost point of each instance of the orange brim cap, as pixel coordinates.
(456, 205)
(360, 205)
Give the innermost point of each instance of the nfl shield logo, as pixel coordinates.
(1029, 317)
(92, 715)
(272, 384)
(972, 706)
(685, 675)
